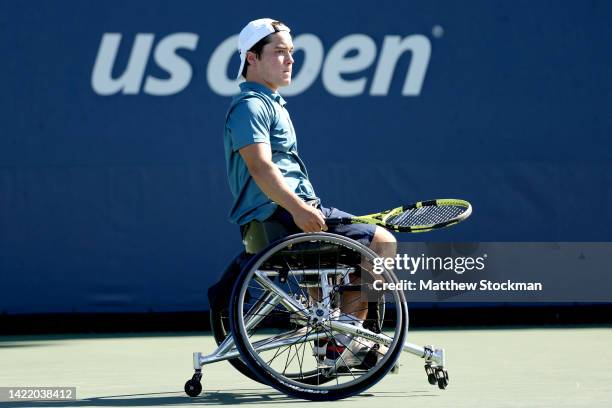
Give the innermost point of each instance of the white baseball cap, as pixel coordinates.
(253, 32)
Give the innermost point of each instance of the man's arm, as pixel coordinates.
(258, 158)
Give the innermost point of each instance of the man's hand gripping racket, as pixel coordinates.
(418, 217)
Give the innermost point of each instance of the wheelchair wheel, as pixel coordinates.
(292, 295)
(219, 322)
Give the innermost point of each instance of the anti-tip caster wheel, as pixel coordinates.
(442, 377)
(431, 375)
(193, 387)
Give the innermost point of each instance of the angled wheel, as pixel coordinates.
(303, 280)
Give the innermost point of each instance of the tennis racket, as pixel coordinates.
(418, 217)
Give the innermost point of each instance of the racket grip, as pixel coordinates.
(337, 221)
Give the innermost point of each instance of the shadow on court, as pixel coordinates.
(225, 397)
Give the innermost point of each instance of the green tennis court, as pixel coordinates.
(539, 367)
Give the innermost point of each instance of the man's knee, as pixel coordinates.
(383, 235)
(384, 242)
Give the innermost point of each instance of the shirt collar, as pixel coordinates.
(257, 87)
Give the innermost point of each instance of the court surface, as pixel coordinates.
(540, 367)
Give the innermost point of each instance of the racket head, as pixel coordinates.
(424, 215)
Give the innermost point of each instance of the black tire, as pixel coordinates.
(431, 375)
(301, 389)
(193, 388)
(442, 379)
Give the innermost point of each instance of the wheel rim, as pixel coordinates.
(285, 370)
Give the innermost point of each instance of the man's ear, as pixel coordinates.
(251, 57)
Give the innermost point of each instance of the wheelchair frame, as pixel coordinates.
(435, 365)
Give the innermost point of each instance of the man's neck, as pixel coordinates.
(262, 82)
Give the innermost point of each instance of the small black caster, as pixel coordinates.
(193, 387)
(431, 375)
(442, 376)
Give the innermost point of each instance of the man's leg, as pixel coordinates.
(354, 307)
(385, 245)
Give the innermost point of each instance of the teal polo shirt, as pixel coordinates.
(258, 115)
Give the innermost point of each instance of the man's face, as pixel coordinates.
(273, 68)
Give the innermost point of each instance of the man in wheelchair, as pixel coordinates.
(273, 196)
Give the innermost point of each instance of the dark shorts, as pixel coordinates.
(362, 233)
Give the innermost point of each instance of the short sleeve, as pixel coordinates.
(248, 123)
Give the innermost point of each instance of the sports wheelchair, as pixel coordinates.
(277, 317)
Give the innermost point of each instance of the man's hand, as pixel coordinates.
(308, 218)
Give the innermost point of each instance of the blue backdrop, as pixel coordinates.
(112, 180)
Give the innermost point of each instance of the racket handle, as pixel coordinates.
(338, 221)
